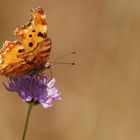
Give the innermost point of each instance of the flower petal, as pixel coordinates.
(29, 98)
(44, 104)
(51, 83)
(53, 92)
(34, 89)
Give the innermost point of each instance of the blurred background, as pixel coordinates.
(101, 94)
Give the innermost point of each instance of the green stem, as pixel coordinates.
(27, 121)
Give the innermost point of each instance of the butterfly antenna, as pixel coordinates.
(63, 63)
(58, 58)
(49, 64)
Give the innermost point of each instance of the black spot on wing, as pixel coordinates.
(40, 35)
(30, 35)
(21, 50)
(30, 44)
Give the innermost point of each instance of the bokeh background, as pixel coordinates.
(101, 94)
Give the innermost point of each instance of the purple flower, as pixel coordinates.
(36, 89)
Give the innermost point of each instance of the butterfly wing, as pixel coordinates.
(31, 54)
(34, 31)
(29, 63)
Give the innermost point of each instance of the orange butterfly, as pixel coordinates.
(31, 54)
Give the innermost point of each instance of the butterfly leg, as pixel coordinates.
(45, 73)
(51, 75)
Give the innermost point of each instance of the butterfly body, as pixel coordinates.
(31, 54)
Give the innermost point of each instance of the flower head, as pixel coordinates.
(36, 89)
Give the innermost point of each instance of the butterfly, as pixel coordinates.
(29, 55)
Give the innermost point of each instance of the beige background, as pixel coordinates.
(101, 94)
